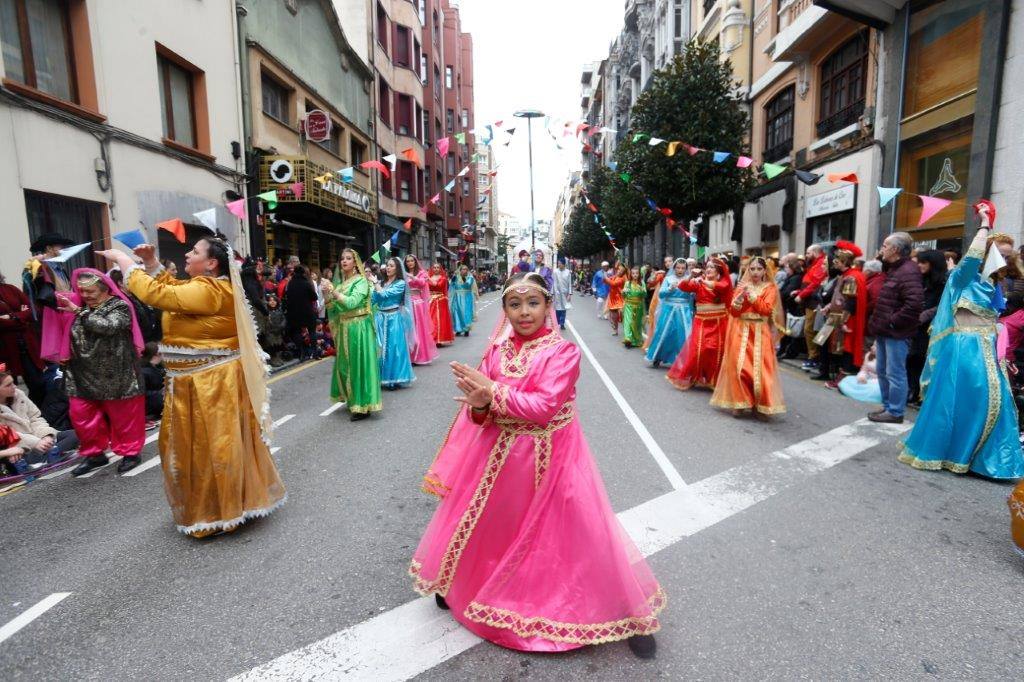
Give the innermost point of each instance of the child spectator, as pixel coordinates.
(274, 334)
(153, 373)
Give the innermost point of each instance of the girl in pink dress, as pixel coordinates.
(525, 548)
(416, 277)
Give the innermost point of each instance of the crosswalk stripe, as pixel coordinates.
(332, 408)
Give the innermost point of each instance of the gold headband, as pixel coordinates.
(87, 280)
(521, 286)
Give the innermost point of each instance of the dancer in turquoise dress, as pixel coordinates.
(393, 320)
(462, 298)
(968, 421)
(675, 317)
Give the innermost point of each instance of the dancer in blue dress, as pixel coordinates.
(968, 421)
(396, 332)
(675, 317)
(462, 297)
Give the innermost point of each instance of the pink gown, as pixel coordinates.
(426, 349)
(525, 547)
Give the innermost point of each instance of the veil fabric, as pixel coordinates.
(253, 359)
(410, 320)
(64, 342)
(778, 315)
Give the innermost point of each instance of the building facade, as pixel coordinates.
(297, 59)
(114, 118)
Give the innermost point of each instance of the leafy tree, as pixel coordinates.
(694, 100)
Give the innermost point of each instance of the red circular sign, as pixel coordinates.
(318, 126)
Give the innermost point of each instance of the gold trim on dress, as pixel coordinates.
(908, 457)
(516, 364)
(572, 633)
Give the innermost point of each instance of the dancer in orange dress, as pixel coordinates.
(698, 362)
(615, 300)
(749, 378)
(440, 314)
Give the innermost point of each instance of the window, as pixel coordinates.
(425, 123)
(417, 58)
(437, 31)
(37, 46)
(449, 121)
(448, 77)
(382, 27)
(385, 183)
(465, 187)
(275, 98)
(418, 117)
(424, 69)
(384, 101)
(420, 188)
(403, 114)
(421, 9)
(438, 133)
(708, 6)
(402, 54)
(437, 80)
(451, 164)
(465, 119)
(357, 151)
(79, 221)
(778, 137)
(451, 205)
(177, 102)
(843, 85)
(407, 176)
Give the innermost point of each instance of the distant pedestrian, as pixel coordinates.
(599, 284)
(562, 292)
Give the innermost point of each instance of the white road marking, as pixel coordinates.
(145, 466)
(332, 408)
(416, 636)
(273, 450)
(12, 627)
(282, 420)
(67, 470)
(674, 479)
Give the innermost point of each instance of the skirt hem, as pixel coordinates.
(229, 524)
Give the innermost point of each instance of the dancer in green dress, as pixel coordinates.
(356, 377)
(635, 294)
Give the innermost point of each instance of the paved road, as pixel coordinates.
(797, 548)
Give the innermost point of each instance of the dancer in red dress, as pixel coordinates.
(698, 362)
(444, 333)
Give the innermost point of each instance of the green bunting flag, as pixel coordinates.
(771, 170)
(270, 197)
(640, 136)
(460, 138)
(626, 177)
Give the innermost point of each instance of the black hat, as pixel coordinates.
(49, 239)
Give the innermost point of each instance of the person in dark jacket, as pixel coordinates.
(300, 311)
(809, 296)
(791, 346)
(874, 278)
(932, 265)
(894, 323)
(153, 374)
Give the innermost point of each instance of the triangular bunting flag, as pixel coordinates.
(930, 206)
(442, 146)
(237, 208)
(408, 224)
(463, 172)
(436, 198)
(640, 136)
(392, 160)
(208, 218)
(411, 155)
(672, 147)
(771, 170)
(605, 129)
(269, 196)
(691, 149)
(177, 228)
(654, 206)
(460, 138)
(842, 177)
(655, 141)
(625, 177)
(450, 186)
(719, 157)
(70, 252)
(377, 165)
(131, 238)
(743, 161)
(665, 211)
(613, 165)
(887, 194)
(347, 174)
(807, 177)
(297, 188)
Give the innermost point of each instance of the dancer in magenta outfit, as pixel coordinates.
(525, 548)
(417, 278)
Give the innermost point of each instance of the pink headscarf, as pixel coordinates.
(65, 341)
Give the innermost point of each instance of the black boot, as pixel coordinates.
(88, 464)
(128, 463)
(358, 416)
(643, 646)
(441, 603)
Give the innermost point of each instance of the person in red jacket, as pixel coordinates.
(809, 298)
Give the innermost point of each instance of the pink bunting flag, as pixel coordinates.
(237, 208)
(744, 162)
(377, 165)
(297, 189)
(436, 198)
(929, 207)
(442, 146)
(691, 149)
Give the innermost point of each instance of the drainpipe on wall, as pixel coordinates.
(243, 241)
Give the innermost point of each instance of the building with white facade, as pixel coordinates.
(115, 116)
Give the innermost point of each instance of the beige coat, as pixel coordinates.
(24, 417)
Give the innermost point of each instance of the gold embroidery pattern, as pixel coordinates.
(995, 398)
(908, 457)
(757, 364)
(741, 357)
(516, 364)
(511, 428)
(572, 633)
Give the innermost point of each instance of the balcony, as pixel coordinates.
(801, 27)
(840, 119)
(777, 152)
(875, 13)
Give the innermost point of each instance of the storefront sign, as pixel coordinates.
(833, 201)
(321, 186)
(318, 126)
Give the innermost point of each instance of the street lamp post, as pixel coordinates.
(529, 115)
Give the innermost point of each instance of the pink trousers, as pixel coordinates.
(116, 424)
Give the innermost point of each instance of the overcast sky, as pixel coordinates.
(529, 55)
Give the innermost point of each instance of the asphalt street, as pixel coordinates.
(793, 548)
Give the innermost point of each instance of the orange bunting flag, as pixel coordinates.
(670, 223)
(842, 177)
(492, 173)
(175, 227)
(672, 147)
(408, 224)
(411, 154)
(377, 165)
